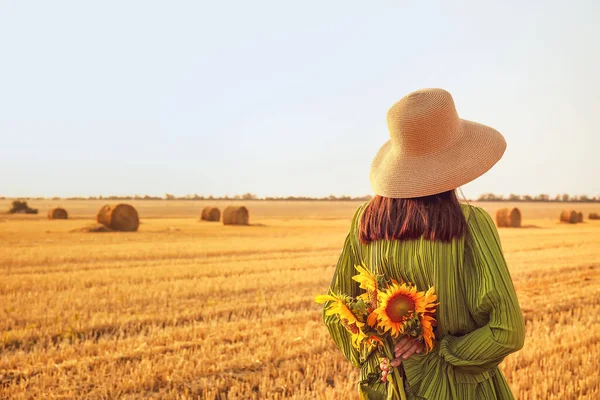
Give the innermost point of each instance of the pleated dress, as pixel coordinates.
(479, 321)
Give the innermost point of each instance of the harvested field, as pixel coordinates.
(211, 311)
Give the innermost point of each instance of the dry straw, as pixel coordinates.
(58, 213)
(235, 216)
(92, 228)
(508, 218)
(211, 214)
(569, 216)
(120, 217)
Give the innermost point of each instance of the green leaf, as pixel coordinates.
(369, 393)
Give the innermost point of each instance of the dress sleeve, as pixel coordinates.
(492, 302)
(342, 283)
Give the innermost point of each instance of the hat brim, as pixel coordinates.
(397, 175)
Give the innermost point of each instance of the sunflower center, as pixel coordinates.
(399, 307)
(353, 328)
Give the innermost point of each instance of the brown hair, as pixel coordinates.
(435, 217)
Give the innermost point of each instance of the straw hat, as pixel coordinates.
(431, 149)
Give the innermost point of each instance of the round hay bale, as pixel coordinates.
(594, 216)
(508, 218)
(235, 216)
(211, 214)
(580, 217)
(568, 216)
(120, 217)
(58, 213)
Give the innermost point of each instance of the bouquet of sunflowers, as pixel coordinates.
(386, 310)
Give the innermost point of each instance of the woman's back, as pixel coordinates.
(475, 295)
(415, 229)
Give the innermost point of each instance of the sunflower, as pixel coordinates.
(427, 318)
(399, 303)
(339, 307)
(346, 316)
(367, 281)
(357, 335)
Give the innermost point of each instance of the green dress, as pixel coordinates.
(479, 321)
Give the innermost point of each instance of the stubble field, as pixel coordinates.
(189, 309)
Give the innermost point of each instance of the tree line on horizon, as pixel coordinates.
(168, 196)
(252, 197)
(540, 198)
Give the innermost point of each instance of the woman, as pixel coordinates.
(416, 230)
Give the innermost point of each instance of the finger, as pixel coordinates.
(408, 344)
(410, 351)
(396, 362)
(384, 376)
(420, 349)
(403, 349)
(400, 343)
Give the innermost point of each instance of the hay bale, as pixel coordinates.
(235, 216)
(568, 216)
(21, 207)
(120, 217)
(211, 214)
(594, 216)
(508, 218)
(58, 213)
(580, 217)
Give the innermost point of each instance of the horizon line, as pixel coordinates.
(543, 197)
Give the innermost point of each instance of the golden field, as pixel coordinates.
(190, 309)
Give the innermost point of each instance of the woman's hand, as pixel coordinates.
(385, 369)
(406, 347)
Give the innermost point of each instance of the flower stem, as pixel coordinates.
(398, 381)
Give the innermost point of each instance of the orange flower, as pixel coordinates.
(427, 318)
(346, 316)
(398, 305)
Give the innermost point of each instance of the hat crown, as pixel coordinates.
(423, 122)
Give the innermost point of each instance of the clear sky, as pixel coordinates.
(285, 98)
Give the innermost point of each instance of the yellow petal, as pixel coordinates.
(366, 279)
(322, 298)
(330, 311)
